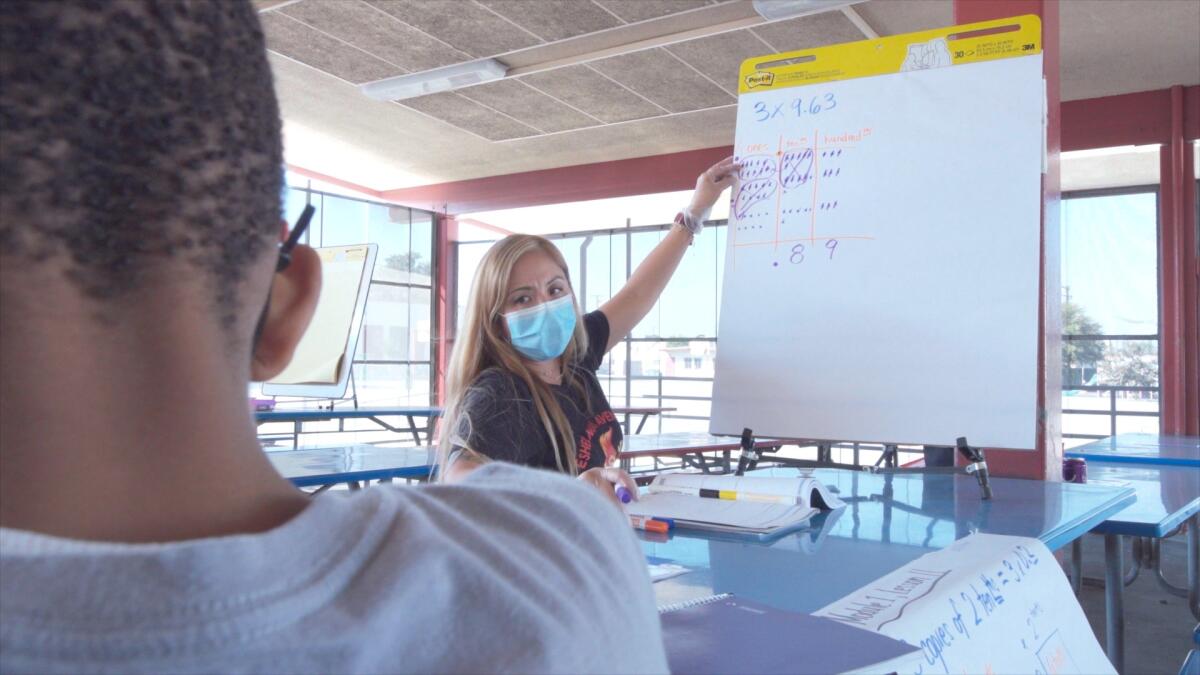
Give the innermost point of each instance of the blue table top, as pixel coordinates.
(1142, 449)
(889, 520)
(342, 413)
(309, 467)
(1166, 496)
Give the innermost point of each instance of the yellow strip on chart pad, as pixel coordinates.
(950, 46)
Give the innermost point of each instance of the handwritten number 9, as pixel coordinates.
(797, 254)
(832, 246)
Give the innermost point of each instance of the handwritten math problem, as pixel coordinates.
(973, 607)
(798, 107)
(788, 196)
(985, 604)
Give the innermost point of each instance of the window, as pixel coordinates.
(1110, 313)
(667, 362)
(393, 364)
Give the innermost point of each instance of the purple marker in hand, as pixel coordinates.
(623, 494)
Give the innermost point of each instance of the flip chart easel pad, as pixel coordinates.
(319, 356)
(985, 604)
(882, 261)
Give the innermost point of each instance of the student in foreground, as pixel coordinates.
(141, 527)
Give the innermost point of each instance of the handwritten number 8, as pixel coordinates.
(797, 254)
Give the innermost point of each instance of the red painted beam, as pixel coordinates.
(1129, 119)
(1179, 297)
(332, 180)
(446, 233)
(620, 178)
(1045, 461)
(1191, 112)
(1140, 118)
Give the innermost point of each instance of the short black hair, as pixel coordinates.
(134, 133)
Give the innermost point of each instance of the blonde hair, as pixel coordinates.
(483, 343)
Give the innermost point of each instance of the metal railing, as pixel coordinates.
(1112, 412)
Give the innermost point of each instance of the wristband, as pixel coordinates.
(692, 222)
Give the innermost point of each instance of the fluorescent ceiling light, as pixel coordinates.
(432, 81)
(774, 10)
(689, 25)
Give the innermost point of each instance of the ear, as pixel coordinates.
(293, 300)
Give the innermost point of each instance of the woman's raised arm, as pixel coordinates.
(639, 294)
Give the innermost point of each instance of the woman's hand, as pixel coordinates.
(711, 184)
(606, 479)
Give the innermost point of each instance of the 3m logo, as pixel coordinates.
(760, 80)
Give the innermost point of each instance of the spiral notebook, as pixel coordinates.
(729, 635)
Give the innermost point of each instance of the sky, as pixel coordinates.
(1110, 260)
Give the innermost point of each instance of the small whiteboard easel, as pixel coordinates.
(321, 365)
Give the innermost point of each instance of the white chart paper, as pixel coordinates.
(985, 604)
(882, 260)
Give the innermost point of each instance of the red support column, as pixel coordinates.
(447, 234)
(1179, 336)
(1045, 462)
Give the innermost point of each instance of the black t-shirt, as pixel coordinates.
(502, 423)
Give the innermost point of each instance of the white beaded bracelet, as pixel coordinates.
(691, 222)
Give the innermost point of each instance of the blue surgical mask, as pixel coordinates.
(542, 333)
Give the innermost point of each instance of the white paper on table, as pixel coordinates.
(985, 604)
(661, 571)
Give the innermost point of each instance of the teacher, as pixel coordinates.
(521, 385)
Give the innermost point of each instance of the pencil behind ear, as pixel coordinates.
(294, 294)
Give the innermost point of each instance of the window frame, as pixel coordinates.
(430, 363)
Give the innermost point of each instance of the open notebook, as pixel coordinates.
(740, 504)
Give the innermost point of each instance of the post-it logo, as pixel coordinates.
(763, 79)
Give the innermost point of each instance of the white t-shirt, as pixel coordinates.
(512, 570)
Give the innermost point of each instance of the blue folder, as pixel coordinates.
(724, 634)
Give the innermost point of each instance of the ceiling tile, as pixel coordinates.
(701, 129)
(554, 20)
(720, 56)
(593, 93)
(664, 79)
(294, 40)
(640, 10)
(376, 32)
(469, 115)
(528, 105)
(1158, 46)
(464, 25)
(888, 17)
(818, 30)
